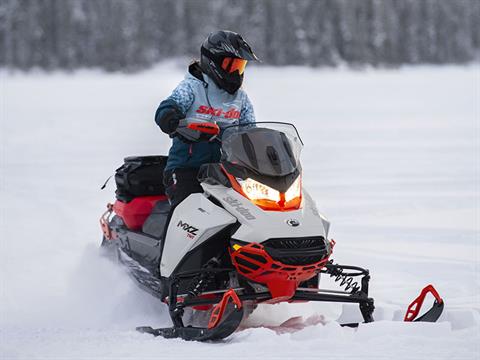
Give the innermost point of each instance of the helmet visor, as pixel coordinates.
(230, 65)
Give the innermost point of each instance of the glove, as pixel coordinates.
(168, 120)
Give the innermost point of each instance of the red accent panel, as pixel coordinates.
(416, 305)
(207, 128)
(135, 212)
(282, 280)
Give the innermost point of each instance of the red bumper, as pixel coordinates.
(253, 262)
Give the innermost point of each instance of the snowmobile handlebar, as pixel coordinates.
(196, 131)
(206, 128)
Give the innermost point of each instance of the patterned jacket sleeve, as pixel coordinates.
(247, 115)
(183, 96)
(177, 103)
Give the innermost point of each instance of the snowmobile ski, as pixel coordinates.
(221, 331)
(431, 315)
(219, 327)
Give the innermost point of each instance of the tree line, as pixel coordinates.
(129, 35)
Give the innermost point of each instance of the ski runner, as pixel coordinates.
(211, 91)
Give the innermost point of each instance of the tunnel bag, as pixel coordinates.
(140, 176)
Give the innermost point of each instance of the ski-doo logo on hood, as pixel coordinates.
(232, 113)
(191, 230)
(237, 205)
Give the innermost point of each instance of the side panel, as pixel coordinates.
(195, 220)
(258, 225)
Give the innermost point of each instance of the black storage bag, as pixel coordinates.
(140, 176)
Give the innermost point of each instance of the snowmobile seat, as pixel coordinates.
(135, 212)
(155, 223)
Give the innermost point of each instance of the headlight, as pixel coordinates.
(270, 199)
(294, 191)
(258, 191)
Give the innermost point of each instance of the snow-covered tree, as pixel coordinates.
(133, 34)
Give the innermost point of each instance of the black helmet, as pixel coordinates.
(224, 55)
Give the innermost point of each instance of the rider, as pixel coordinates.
(210, 92)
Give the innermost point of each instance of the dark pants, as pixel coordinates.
(180, 183)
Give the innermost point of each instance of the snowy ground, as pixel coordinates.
(392, 158)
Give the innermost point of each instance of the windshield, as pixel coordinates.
(269, 148)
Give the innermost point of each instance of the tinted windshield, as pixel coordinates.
(268, 148)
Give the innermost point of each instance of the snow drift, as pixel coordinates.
(390, 156)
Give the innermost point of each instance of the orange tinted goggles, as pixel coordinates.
(230, 65)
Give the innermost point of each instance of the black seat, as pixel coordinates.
(157, 220)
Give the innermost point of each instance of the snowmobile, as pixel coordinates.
(254, 236)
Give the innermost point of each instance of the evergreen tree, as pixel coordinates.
(133, 34)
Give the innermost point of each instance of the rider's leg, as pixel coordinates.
(180, 183)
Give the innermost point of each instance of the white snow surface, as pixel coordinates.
(391, 156)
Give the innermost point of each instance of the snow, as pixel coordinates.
(391, 156)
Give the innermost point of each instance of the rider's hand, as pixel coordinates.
(169, 121)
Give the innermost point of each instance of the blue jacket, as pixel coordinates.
(197, 96)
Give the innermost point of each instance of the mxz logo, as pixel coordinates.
(232, 113)
(191, 230)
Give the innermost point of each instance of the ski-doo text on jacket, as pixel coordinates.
(198, 97)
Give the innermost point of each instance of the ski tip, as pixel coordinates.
(145, 329)
(431, 315)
